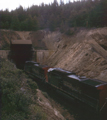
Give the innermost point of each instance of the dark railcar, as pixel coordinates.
(40, 71)
(28, 66)
(89, 91)
(56, 76)
(97, 90)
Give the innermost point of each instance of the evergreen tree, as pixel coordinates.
(15, 24)
(86, 13)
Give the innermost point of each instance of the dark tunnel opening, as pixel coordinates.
(21, 51)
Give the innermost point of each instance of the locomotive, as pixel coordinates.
(91, 92)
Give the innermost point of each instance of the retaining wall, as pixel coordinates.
(38, 55)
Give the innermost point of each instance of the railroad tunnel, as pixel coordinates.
(20, 51)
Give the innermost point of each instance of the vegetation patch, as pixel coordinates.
(56, 16)
(18, 94)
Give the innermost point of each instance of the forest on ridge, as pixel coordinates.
(84, 13)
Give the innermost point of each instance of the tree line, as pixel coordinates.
(90, 13)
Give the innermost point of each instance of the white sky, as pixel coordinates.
(13, 4)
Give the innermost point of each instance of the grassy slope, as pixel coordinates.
(20, 98)
(18, 94)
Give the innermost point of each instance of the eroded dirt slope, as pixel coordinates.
(84, 53)
(35, 36)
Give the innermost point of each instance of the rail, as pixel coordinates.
(103, 105)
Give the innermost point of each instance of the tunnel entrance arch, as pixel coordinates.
(21, 51)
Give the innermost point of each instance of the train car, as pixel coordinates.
(95, 92)
(40, 71)
(56, 76)
(35, 70)
(28, 66)
(89, 91)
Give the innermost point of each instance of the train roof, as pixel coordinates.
(41, 66)
(74, 77)
(33, 62)
(20, 42)
(59, 70)
(93, 82)
(88, 81)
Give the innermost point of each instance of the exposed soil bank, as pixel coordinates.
(84, 52)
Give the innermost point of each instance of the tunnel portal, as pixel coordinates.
(21, 51)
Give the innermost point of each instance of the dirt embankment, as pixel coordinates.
(84, 53)
(49, 108)
(35, 36)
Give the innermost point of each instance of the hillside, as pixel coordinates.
(56, 15)
(22, 100)
(7, 35)
(84, 52)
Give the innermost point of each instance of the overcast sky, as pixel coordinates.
(13, 4)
